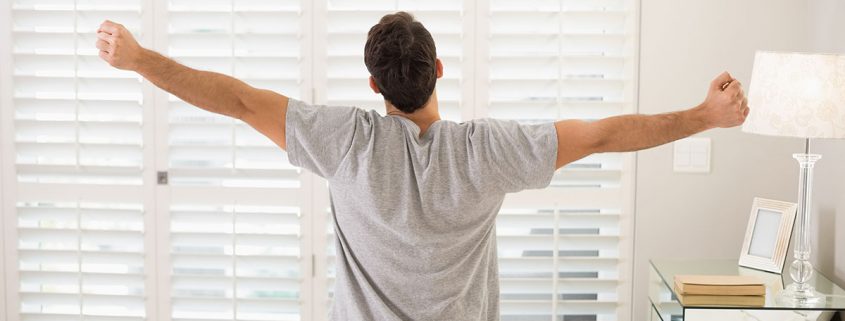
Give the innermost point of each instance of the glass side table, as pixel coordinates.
(666, 307)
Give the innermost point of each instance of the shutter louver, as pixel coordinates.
(559, 248)
(235, 202)
(79, 158)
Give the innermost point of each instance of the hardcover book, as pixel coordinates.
(719, 285)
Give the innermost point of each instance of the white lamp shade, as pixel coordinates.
(797, 95)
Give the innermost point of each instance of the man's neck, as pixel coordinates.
(422, 117)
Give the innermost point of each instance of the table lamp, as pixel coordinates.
(798, 95)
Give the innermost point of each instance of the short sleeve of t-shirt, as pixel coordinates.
(521, 156)
(318, 138)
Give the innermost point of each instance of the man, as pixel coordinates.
(414, 197)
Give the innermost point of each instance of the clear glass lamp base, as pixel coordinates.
(802, 295)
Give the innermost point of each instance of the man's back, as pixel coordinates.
(415, 214)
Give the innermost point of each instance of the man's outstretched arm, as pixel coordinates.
(725, 106)
(264, 110)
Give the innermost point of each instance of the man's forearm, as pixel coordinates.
(211, 91)
(635, 132)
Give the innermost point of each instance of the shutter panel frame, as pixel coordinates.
(60, 205)
(228, 177)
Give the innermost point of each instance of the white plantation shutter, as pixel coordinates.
(232, 231)
(345, 83)
(561, 249)
(81, 261)
(237, 207)
(236, 262)
(78, 158)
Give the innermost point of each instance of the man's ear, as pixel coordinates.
(373, 85)
(439, 66)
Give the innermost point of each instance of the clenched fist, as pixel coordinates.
(726, 104)
(118, 47)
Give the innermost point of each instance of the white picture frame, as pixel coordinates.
(767, 235)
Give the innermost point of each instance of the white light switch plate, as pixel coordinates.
(692, 155)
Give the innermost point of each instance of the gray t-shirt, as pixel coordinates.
(415, 216)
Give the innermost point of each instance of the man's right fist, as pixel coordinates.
(726, 104)
(118, 47)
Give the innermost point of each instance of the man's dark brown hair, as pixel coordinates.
(401, 57)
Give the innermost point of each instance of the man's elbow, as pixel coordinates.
(592, 138)
(241, 111)
(598, 144)
(248, 103)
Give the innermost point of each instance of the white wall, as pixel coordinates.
(684, 45)
(827, 34)
(827, 26)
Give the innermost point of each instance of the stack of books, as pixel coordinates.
(720, 290)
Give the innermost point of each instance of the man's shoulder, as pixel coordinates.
(333, 112)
